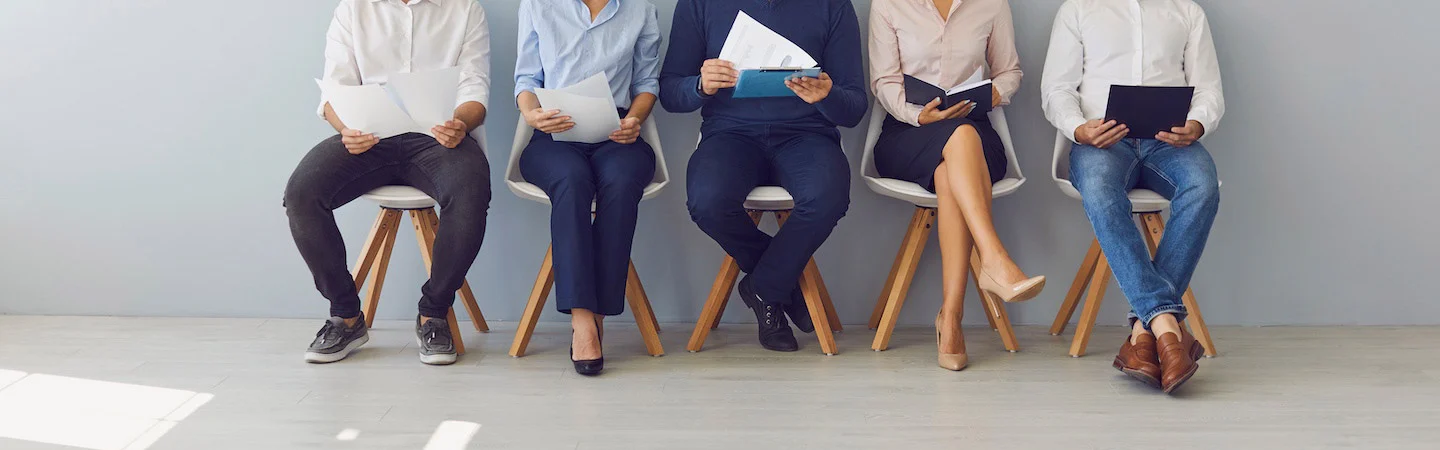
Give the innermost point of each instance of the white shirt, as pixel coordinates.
(1097, 43)
(371, 39)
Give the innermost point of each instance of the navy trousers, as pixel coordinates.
(807, 162)
(591, 256)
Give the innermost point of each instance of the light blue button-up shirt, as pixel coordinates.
(560, 46)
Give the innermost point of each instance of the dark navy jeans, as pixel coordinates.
(807, 162)
(1187, 177)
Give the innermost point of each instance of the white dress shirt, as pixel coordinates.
(1097, 43)
(371, 39)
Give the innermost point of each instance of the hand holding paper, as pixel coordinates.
(751, 45)
(589, 104)
(408, 103)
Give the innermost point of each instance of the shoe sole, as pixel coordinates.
(1028, 294)
(326, 358)
(1183, 378)
(1136, 374)
(438, 359)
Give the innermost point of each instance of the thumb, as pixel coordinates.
(824, 76)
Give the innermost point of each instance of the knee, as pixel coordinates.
(469, 197)
(302, 193)
(708, 207)
(1102, 195)
(827, 207)
(1204, 194)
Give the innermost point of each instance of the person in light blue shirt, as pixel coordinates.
(563, 42)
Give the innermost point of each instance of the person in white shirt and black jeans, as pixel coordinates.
(369, 40)
(1097, 43)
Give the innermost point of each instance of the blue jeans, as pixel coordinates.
(591, 256)
(1187, 177)
(807, 162)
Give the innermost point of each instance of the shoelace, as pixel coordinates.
(330, 332)
(431, 331)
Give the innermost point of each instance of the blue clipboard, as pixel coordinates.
(762, 83)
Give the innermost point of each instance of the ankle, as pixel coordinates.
(351, 321)
(1163, 324)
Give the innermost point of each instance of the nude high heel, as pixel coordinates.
(1017, 292)
(950, 361)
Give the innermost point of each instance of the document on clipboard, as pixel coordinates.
(765, 59)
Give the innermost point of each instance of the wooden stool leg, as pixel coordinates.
(895, 268)
(371, 301)
(994, 308)
(910, 251)
(1098, 283)
(830, 314)
(467, 296)
(371, 249)
(1155, 230)
(644, 316)
(535, 305)
(1077, 287)
(714, 303)
(810, 288)
(425, 238)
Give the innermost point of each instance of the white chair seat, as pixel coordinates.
(1141, 200)
(913, 193)
(400, 197)
(769, 198)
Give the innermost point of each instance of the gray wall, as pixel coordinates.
(146, 144)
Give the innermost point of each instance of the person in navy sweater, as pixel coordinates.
(791, 142)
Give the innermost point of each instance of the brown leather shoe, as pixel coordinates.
(1139, 360)
(1177, 359)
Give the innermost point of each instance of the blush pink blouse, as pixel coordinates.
(909, 37)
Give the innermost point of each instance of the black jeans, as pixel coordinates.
(329, 177)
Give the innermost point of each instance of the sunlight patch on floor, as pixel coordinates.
(90, 414)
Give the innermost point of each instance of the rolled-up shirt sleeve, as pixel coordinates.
(1064, 68)
(529, 69)
(647, 56)
(340, 65)
(474, 61)
(1202, 70)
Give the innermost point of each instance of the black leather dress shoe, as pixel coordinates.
(799, 312)
(775, 333)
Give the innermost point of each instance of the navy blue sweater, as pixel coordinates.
(826, 29)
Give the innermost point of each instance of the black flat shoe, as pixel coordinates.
(799, 312)
(775, 333)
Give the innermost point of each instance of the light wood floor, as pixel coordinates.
(1276, 387)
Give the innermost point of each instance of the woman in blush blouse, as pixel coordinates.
(949, 151)
(563, 42)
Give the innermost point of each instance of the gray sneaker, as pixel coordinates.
(335, 341)
(436, 345)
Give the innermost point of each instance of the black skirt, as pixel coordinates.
(910, 153)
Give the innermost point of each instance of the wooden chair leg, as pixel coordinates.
(714, 303)
(830, 314)
(910, 252)
(1155, 230)
(895, 268)
(1077, 287)
(371, 249)
(1098, 283)
(540, 292)
(994, 307)
(371, 301)
(425, 238)
(467, 296)
(644, 315)
(810, 288)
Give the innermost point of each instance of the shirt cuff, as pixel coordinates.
(1205, 121)
(651, 87)
(472, 95)
(1068, 125)
(699, 92)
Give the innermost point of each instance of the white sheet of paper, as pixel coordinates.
(589, 104)
(752, 45)
(429, 97)
(976, 80)
(368, 108)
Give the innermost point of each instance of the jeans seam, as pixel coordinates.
(1173, 187)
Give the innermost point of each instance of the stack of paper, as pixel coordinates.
(407, 103)
(752, 45)
(590, 106)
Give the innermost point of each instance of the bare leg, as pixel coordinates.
(955, 246)
(969, 181)
(585, 339)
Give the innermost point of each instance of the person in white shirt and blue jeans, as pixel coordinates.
(563, 42)
(1097, 43)
(368, 41)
